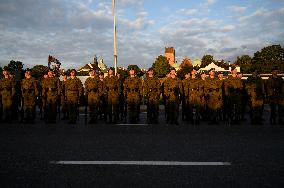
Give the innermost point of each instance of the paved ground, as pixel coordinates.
(254, 152)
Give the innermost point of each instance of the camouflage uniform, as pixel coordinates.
(29, 93)
(255, 90)
(172, 91)
(275, 93)
(7, 91)
(213, 93)
(233, 93)
(133, 92)
(152, 91)
(111, 88)
(93, 90)
(51, 92)
(194, 95)
(122, 109)
(63, 101)
(73, 91)
(185, 105)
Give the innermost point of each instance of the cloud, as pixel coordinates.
(210, 2)
(237, 9)
(188, 11)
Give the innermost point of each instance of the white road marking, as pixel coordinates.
(142, 163)
(138, 124)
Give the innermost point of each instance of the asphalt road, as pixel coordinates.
(27, 153)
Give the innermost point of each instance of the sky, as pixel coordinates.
(74, 31)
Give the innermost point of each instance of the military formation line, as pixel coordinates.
(202, 97)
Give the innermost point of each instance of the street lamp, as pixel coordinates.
(114, 37)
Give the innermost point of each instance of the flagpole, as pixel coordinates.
(114, 36)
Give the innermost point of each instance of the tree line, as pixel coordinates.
(263, 60)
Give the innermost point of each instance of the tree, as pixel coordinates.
(39, 70)
(1, 72)
(244, 62)
(186, 62)
(206, 60)
(184, 70)
(15, 65)
(161, 66)
(136, 68)
(269, 57)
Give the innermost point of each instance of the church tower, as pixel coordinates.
(170, 55)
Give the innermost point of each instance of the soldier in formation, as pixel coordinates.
(275, 94)
(133, 93)
(172, 92)
(73, 91)
(93, 92)
(233, 93)
(152, 92)
(7, 91)
(255, 90)
(29, 95)
(63, 101)
(51, 93)
(213, 94)
(111, 90)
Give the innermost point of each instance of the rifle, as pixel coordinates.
(58, 106)
(86, 108)
(125, 109)
(22, 109)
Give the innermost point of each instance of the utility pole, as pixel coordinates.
(114, 36)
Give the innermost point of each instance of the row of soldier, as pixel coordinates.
(203, 97)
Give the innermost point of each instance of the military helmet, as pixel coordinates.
(111, 68)
(28, 70)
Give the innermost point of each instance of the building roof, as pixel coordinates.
(87, 67)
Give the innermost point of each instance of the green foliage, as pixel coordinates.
(138, 71)
(39, 70)
(161, 66)
(186, 68)
(269, 57)
(206, 60)
(15, 65)
(244, 62)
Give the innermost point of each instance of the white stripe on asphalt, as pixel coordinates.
(139, 124)
(142, 163)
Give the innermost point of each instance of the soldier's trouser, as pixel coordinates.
(93, 103)
(51, 109)
(152, 111)
(7, 107)
(133, 106)
(234, 107)
(173, 108)
(214, 106)
(64, 106)
(29, 108)
(274, 110)
(72, 104)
